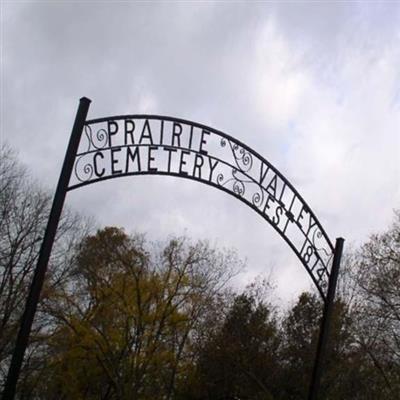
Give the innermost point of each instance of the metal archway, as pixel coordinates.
(157, 145)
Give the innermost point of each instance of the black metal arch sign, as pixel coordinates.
(155, 145)
(119, 146)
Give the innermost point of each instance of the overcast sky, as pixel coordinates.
(314, 87)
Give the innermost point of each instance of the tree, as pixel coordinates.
(239, 360)
(24, 209)
(377, 275)
(347, 371)
(124, 325)
(300, 329)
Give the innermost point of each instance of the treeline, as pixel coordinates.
(123, 318)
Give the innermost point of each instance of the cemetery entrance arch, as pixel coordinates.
(119, 146)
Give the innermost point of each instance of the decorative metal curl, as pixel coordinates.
(85, 173)
(242, 157)
(238, 186)
(258, 197)
(97, 141)
(240, 182)
(318, 235)
(220, 179)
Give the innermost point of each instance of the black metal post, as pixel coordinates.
(45, 250)
(325, 323)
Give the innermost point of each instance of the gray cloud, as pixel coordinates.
(313, 87)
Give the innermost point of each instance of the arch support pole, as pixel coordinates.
(45, 250)
(326, 322)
